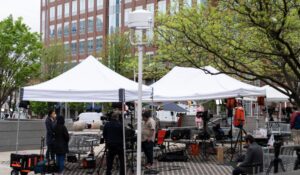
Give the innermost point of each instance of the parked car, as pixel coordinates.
(90, 117)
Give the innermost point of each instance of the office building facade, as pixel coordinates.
(83, 25)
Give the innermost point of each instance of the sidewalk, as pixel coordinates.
(5, 160)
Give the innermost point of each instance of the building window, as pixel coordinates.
(90, 45)
(43, 2)
(114, 15)
(201, 1)
(139, 8)
(98, 43)
(66, 46)
(66, 29)
(99, 23)
(51, 1)
(59, 11)
(81, 46)
(52, 13)
(82, 26)
(174, 6)
(82, 6)
(43, 32)
(52, 31)
(74, 7)
(127, 1)
(91, 5)
(99, 4)
(59, 30)
(188, 3)
(126, 14)
(90, 24)
(74, 47)
(67, 9)
(162, 8)
(74, 27)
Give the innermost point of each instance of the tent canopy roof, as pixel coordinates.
(89, 81)
(274, 95)
(184, 83)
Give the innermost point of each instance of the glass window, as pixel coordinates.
(99, 23)
(114, 15)
(59, 11)
(59, 30)
(67, 9)
(91, 5)
(52, 31)
(74, 7)
(139, 8)
(126, 14)
(43, 2)
(188, 3)
(52, 13)
(74, 47)
(66, 46)
(74, 27)
(99, 4)
(81, 46)
(66, 29)
(90, 24)
(82, 6)
(126, 1)
(162, 6)
(201, 1)
(174, 6)
(90, 45)
(43, 32)
(82, 26)
(99, 43)
(51, 1)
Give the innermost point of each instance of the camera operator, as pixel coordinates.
(148, 136)
(254, 156)
(113, 136)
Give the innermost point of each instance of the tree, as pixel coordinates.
(19, 56)
(117, 50)
(55, 60)
(251, 39)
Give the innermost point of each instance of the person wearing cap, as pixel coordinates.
(148, 136)
(253, 157)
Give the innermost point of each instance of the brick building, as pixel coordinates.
(83, 25)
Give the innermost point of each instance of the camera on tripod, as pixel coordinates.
(204, 115)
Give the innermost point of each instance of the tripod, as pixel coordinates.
(104, 150)
(277, 161)
(239, 141)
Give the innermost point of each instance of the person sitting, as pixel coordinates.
(254, 156)
(219, 133)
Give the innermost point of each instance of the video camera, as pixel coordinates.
(204, 115)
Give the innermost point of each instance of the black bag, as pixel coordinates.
(72, 158)
(181, 134)
(89, 162)
(176, 156)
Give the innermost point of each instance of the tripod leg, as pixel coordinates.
(281, 164)
(235, 145)
(270, 167)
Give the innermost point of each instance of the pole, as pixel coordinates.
(18, 130)
(124, 138)
(139, 112)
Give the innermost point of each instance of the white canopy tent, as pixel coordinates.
(183, 83)
(89, 81)
(274, 95)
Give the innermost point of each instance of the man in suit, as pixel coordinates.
(254, 156)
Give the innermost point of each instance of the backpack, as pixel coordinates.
(297, 122)
(239, 117)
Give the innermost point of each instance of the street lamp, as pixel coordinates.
(139, 21)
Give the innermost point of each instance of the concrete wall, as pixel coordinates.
(30, 134)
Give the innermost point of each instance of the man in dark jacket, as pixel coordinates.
(50, 123)
(254, 156)
(60, 145)
(113, 136)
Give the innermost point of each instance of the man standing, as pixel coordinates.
(113, 136)
(148, 136)
(50, 123)
(254, 156)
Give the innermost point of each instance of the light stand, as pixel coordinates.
(139, 21)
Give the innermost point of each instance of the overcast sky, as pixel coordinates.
(29, 10)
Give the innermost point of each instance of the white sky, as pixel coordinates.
(29, 10)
